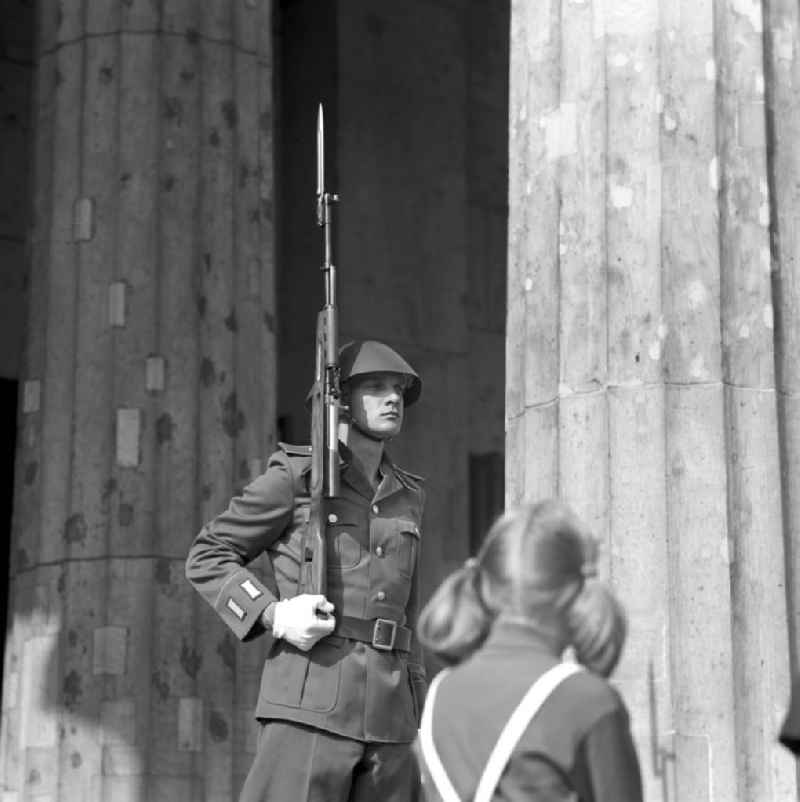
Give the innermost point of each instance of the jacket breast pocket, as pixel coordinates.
(406, 545)
(344, 546)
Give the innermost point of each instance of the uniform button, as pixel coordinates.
(379, 551)
(375, 508)
(380, 596)
(333, 518)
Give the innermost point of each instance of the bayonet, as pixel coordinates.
(320, 156)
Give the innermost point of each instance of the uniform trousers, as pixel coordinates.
(296, 763)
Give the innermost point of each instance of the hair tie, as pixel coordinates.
(589, 570)
(470, 564)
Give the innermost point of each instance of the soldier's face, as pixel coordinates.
(376, 403)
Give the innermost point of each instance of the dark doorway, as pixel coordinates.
(486, 494)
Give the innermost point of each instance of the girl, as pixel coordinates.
(502, 622)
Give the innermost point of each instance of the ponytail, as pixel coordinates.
(596, 627)
(456, 621)
(533, 564)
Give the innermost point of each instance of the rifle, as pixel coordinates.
(325, 401)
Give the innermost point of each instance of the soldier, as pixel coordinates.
(343, 683)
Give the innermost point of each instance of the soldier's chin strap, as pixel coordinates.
(362, 430)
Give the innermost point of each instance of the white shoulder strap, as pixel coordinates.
(516, 726)
(432, 760)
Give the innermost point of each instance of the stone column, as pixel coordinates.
(641, 350)
(148, 397)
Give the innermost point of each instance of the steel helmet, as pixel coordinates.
(361, 357)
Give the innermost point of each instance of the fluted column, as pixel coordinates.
(641, 351)
(148, 397)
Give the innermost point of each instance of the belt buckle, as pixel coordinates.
(379, 632)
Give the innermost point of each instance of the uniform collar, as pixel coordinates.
(393, 478)
(389, 484)
(391, 481)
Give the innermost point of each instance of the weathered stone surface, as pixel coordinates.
(661, 315)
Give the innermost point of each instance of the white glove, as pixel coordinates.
(303, 620)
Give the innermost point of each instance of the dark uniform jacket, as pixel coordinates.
(578, 745)
(341, 685)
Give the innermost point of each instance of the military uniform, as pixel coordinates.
(366, 681)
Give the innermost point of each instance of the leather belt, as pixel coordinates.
(381, 633)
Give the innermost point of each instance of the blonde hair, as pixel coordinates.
(535, 562)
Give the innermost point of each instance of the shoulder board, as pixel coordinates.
(295, 451)
(300, 463)
(410, 480)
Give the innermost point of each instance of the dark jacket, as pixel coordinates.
(342, 686)
(578, 743)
